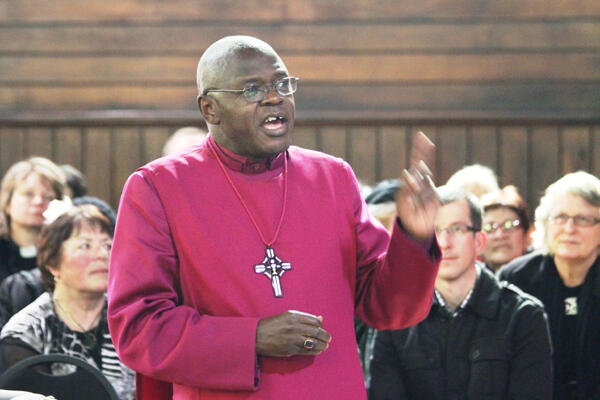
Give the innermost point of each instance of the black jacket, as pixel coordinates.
(497, 347)
(536, 274)
(11, 261)
(17, 291)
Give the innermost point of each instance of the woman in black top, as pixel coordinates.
(27, 188)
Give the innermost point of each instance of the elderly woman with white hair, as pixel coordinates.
(565, 275)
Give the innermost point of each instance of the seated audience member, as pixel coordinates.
(182, 139)
(506, 225)
(565, 275)
(481, 340)
(70, 318)
(76, 181)
(23, 287)
(381, 203)
(477, 179)
(27, 188)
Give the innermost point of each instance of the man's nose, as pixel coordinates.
(497, 233)
(272, 97)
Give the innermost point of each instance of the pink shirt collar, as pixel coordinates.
(244, 164)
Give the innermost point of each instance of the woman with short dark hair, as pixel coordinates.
(70, 318)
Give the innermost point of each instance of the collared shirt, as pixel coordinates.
(246, 165)
(463, 304)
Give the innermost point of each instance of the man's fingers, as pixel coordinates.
(422, 149)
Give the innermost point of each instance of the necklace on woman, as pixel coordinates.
(272, 266)
(89, 338)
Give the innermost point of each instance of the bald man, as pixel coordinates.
(237, 267)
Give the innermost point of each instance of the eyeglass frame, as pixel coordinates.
(515, 224)
(556, 219)
(268, 86)
(463, 228)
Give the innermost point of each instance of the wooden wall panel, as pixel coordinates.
(127, 157)
(334, 141)
(68, 146)
(595, 168)
(544, 167)
(11, 146)
(39, 142)
(173, 38)
(357, 59)
(312, 68)
(514, 158)
(363, 153)
(393, 148)
(153, 139)
(483, 146)
(531, 156)
(278, 11)
(306, 137)
(452, 149)
(98, 163)
(576, 149)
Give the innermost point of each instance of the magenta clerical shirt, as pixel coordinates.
(184, 297)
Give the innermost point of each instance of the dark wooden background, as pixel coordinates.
(511, 84)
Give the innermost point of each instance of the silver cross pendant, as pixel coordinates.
(273, 268)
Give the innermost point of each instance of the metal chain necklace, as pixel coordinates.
(272, 266)
(89, 340)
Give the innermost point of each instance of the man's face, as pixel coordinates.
(256, 130)
(459, 247)
(503, 245)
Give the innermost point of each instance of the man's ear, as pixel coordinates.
(208, 106)
(480, 241)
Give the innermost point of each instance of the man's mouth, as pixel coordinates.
(274, 122)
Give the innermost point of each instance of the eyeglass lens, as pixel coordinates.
(284, 87)
(506, 226)
(578, 220)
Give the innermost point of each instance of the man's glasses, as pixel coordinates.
(255, 93)
(578, 220)
(506, 226)
(455, 229)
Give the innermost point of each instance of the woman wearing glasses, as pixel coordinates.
(565, 275)
(70, 317)
(27, 188)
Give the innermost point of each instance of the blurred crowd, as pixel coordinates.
(516, 307)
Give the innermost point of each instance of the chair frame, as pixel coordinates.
(14, 370)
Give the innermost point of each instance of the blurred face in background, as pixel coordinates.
(460, 245)
(573, 229)
(29, 200)
(84, 261)
(506, 238)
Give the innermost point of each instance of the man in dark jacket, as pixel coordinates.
(481, 340)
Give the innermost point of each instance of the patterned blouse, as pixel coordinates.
(38, 326)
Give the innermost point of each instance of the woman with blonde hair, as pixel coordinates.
(26, 190)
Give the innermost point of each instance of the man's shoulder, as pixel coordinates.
(315, 156)
(523, 266)
(518, 299)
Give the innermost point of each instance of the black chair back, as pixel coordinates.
(87, 382)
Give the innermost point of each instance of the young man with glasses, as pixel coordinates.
(506, 226)
(238, 266)
(481, 340)
(565, 275)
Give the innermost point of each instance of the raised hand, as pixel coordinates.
(291, 333)
(416, 200)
